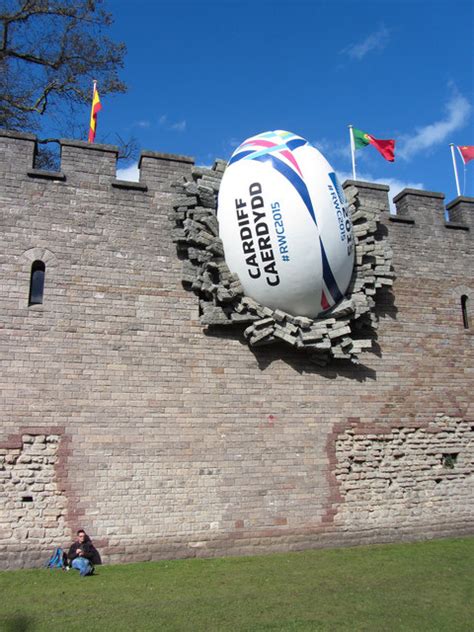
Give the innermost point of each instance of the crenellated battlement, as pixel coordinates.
(417, 207)
(88, 165)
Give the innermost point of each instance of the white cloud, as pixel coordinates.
(178, 126)
(375, 41)
(131, 173)
(143, 123)
(332, 149)
(458, 110)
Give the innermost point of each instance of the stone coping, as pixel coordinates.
(419, 193)
(366, 185)
(82, 144)
(46, 175)
(461, 199)
(456, 225)
(129, 184)
(163, 156)
(401, 219)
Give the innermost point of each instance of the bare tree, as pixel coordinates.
(50, 51)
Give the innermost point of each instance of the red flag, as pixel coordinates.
(385, 147)
(467, 153)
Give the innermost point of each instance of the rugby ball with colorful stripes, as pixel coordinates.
(285, 225)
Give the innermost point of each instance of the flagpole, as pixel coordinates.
(464, 170)
(455, 168)
(352, 153)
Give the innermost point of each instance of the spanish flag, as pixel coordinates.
(96, 107)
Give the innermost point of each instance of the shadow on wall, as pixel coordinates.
(302, 362)
(299, 362)
(96, 558)
(385, 304)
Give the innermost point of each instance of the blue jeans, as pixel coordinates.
(83, 565)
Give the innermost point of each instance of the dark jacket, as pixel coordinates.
(87, 547)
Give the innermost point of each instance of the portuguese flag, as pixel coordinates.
(385, 147)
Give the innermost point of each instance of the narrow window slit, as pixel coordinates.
(38, 270)
(464, 307)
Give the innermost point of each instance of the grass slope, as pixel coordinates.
(409, 587)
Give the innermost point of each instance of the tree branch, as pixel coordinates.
(50, 50)
(33, 59)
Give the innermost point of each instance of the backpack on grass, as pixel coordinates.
(57, 559)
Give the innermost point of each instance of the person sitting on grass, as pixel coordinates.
(81, 554)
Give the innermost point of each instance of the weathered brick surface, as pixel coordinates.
(182, 442)
(394, 474)
(35, 507)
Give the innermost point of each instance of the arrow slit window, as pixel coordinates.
(465, 310)
(38, 270)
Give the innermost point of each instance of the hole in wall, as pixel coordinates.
(449, 460)
(27, 499)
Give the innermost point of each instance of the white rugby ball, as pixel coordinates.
(285, 225)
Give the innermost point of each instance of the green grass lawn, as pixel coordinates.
(411, 587)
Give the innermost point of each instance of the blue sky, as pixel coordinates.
(203, 76)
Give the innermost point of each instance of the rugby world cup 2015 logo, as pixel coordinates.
(284, 224)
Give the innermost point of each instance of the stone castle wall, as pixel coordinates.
(123, 415)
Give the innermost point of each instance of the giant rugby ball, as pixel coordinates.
(284, 224)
